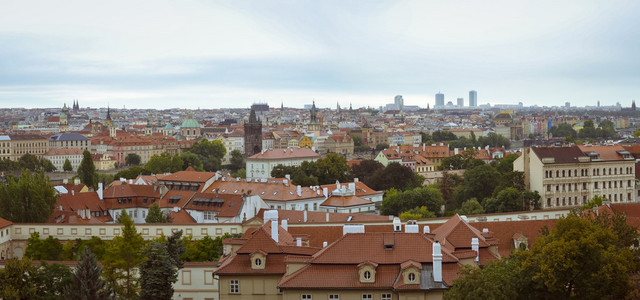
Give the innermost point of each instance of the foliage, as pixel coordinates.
(51, 280)
(421, 212)
(191, 160)
(237, 161)
(210, 153)
(242, 173)
(157, 273)
(494, 140)
(479, 182)
(531, 200)
(464, 160)
(67, 167)
(30, 162)
(358, 145)
(72, 250)
(583, 257)
(394, 176)
(132, 173)
(87, 170)
(395, 202)
(29, 198)
(86, 282)
(365, 168)
(443, 135)
(508, 199)
(563, 130)
(122, 258)
(47, 165)
(327, 170)
(205, 249)
(505, 164)
(164, 163)
(17, 280)
(132, 159)
(471, 207)
(155, 215)
(175, 248)
(447, 185)
(606, 129)
(594, 202)
(382, 146)
(47, 249)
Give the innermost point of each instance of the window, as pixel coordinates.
(412, 277)
(334, 297)
(234, 287)
(385, 297)
(367, 275)
(258, 262)
(306, 297)
(367, 296)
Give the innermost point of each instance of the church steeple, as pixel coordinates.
(313, 112)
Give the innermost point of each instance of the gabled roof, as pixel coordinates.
(187, 176)
(345, 201)
(285, 154)
(561, 155)
(4, 223)
(457, 233)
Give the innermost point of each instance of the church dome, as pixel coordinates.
(190, 123)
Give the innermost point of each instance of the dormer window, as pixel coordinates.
(258, 260)
(412, 277)
(367, 272)
(367, 275)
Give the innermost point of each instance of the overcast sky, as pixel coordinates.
(213, 54)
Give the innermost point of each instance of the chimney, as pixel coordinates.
(426, 229)
(318, 192)
(130, 181)
(352, 187)
(356, 180)
(76, 181)
(325, 192)
(397, 225)
(485, 229)
(437, 262)
(305, 216)
(465, 219)
(123, 179)
(299, 191)
(284, 224)
(327, 217)
(65, 181)
(288, 177)
(424, 147)
(324, 244)
(73, 192)
(99, 191)
(455, 151)
(475, 246)
(299, 242)
(285, 182)
(274, 230)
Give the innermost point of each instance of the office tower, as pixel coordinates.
(399, 102)
(439, 100)
(460, 102)
(473, 98)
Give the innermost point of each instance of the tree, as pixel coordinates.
(51, 280)
(237, 161)
(382, 146)
(87, 170)
(563, 130)
(331, 168)
(531, 200)
(29, 198)
(164, 163)
(242, 173)
(509, 199)
(393, 176)
(30, 162)
(176, 249)
(395, 202)
(86, 282)
(479, 182)
(210, 153)
(500, 279)
(448, 184)
(471, 207)
(47, 165)
(67, 167)
(443, 135)
(494, 140)
(131, 173)
(155, 215)
(17, 280)
(157, 273)
(365, 168)
(191, 160)
(132, 159)
(47, 249)
(122, 258)
(421, 212)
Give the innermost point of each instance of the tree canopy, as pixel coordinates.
(28, 198)
(87, 170)
(132, 159)
(210, 153)
(396, 202)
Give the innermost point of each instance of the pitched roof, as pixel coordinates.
(271, 190)
(73, 151)
(182, 217)
(4, 223)
(187, 176)
(607, 152)
(561, 155)
(297, 216)
(345, 201)
(285, 154)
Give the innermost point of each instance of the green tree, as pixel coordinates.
(395, 202)
(164, 163)
(29, 198)
(331, 168)
(242, 173)
(421, 212)
(67, 167)
(132, 173)
(191, 160)
(51, 279)
(443, 135)
(30, 162)
(122, 258)
(365, 168)
(563, 130)
(210, 153)
(471, 207)
(494, 140)
(509, 199)
(87, 170)
(531, 200)
(157, 274)
(176, 248)
(47, 165)
(395, 176)
(155, 215)
(86, 281)
(237, 161)
(447, 184)
(17, 280)
(382, 146)
(479, 182)
(500, 280)
(47, 249)
(132, 159)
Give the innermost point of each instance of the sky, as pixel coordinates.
(217, 54)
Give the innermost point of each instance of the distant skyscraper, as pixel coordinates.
(399, 102)
(473, 98)
(598, 103)
(460, 102)
(567, 104)
(439, 100)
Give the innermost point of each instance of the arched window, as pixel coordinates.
(367, 275)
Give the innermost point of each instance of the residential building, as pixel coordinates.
(260, 165)
(571, 176)
(69, 140)
(59, 156)
(21, 144)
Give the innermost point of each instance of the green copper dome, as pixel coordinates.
(190, 123)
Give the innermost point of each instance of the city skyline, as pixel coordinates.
(213, 55)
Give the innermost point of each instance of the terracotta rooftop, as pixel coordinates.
(4, 223)
(561, 155)
(345, 201)
(64, 152)
(286, 154)
(187, 176)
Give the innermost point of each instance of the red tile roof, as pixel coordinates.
(182, 217)
(561, 155)
(4, 223)
(286, 154)
(345, 201)
(187, 176)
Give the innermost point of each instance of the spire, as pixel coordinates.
(108, 113)
(313, 111)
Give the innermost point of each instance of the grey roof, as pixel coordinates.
(68, 136)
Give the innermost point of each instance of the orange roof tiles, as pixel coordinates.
(64, 152)
(182, 217)
(345, 201)
(187, 176)
(286, 154)
(4, 223)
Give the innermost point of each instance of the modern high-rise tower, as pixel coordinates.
(399, 102)
(460, 102)
(473, 98)
(439, 100)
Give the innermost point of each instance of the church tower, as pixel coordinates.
(252, 135)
